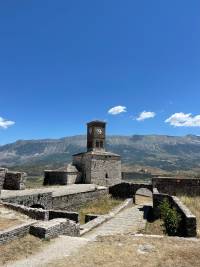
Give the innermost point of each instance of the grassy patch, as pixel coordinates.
(34, 182)
(19, 248)
(7, 223)
(154, 228)
(193, 203)
(100, 206)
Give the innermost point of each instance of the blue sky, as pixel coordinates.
(63, 63)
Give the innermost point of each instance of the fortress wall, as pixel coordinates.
(42, 199)
(177, 186)
(74, 201)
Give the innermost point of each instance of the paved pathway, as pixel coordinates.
(129, 220)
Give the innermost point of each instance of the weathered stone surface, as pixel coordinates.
(30, 199)
(101, 168)
(62, 176)
(128, 190)
(177, 186)
(34, 213)
(55, 227)
(75, 201)
(15, 232)
(14, 180)
(2, 177)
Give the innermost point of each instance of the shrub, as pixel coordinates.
(170, 217)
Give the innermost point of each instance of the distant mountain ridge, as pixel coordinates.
(161, 151)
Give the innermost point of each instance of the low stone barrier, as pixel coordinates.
(36, 214)
(188, 225)
(41, 214)
(15, 232)
(54, 228)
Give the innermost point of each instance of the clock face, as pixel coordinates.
(99, 131)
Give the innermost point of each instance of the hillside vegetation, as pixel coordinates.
(168, 153)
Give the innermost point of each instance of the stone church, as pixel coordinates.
(96, 166)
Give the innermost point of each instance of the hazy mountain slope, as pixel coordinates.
(165, 152)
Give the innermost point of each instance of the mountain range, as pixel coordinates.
(168, 153)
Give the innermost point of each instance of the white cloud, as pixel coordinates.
(184, 120)
(145, 115)
(117, 110)
(5, 123)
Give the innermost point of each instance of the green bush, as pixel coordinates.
(170, 217)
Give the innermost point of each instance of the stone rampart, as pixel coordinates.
(42, 200)
(177, 186)
(77, 200)
(188, 227)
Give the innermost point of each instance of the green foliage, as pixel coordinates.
(170, 217)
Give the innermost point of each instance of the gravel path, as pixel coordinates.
(128, 220)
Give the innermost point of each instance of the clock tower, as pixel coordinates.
(96, 132)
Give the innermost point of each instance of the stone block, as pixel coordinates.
(14, 180)
(54, 228)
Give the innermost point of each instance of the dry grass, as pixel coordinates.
(120, 251)
(154, 228)
(99, 206)
(7, 223)
(19, 248)
(193, 203)
(140, 199)
(10, 218)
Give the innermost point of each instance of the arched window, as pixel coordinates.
(106, 176)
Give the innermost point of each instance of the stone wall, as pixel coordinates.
(44, 200)
(188, 223)
(2, 177)
(177, 186)
(15, 232)
(74, 201)
(54, 228)
(127, 190)
(36, 214)
(14, 180)
(61, 177)
(105, 170)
